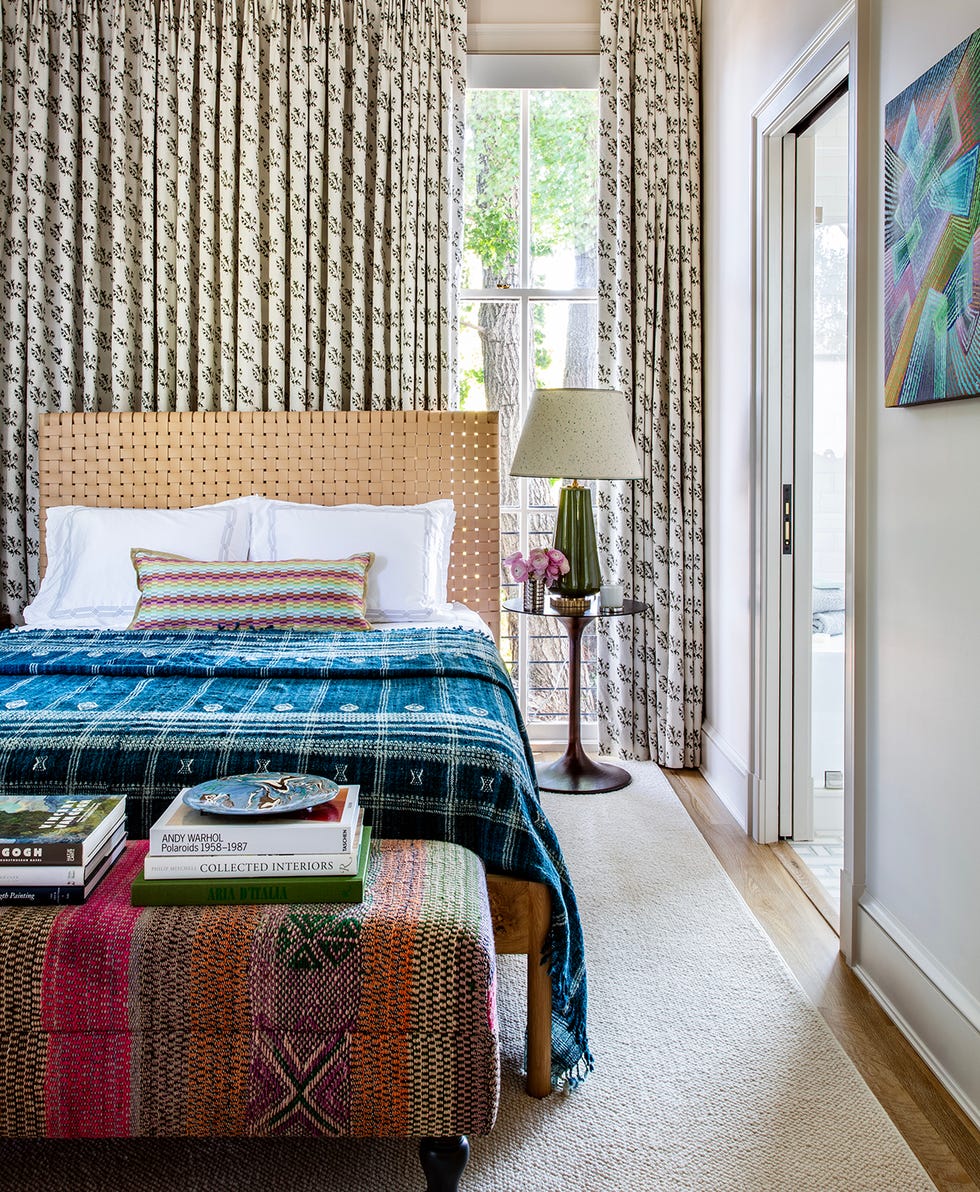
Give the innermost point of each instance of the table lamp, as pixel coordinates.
(577, 434)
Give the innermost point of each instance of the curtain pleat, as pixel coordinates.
(274, 222)
(299, 117)
(186, 208)
(323, 274)
(165, 182)
(222, 204)
(650, 668)
(210, 391)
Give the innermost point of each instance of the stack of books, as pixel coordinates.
(197, 858)
(55, 849)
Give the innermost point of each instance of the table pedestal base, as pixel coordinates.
(577, 774)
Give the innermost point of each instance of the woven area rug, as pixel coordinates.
(713, 1070)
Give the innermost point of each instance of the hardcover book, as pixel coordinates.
(242, 865)
(55, 829)
(62, 875)
(229, 891)
(325, 828)
(61, 895)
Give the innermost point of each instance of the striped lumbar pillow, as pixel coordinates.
(179, 593)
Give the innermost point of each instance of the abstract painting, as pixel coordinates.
(932, 233)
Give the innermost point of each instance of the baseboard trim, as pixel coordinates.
(727, 774)
(850, 897)
(929, 1006)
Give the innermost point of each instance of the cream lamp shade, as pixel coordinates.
(577, 434)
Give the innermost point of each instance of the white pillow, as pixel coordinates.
(90, 581)
(410, 575)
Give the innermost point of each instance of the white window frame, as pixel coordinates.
(526, 72)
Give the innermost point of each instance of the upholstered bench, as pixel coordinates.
(374, 1019)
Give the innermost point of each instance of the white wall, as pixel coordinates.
(747, 46)
(923, 578)
(918, 566)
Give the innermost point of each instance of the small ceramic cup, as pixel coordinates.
(611, 595)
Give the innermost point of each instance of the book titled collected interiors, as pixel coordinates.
(266, 889)
(326, 828)
(41, 830)
(248, 865)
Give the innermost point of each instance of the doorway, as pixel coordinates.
(814, 469)
(805, 805)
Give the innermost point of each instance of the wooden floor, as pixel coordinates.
(945, 1141)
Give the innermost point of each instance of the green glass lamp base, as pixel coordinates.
(575, 538)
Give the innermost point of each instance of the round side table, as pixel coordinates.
(575, 772)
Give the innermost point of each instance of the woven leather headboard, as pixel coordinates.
(164, 461)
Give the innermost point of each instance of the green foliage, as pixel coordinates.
(563, 131)
(564, 127)
(542, 357)
(470, 380)
(493, 155)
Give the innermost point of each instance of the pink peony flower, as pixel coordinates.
(557, 559)
(518, 566)
(542, 565)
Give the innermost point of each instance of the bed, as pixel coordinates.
(422, 717)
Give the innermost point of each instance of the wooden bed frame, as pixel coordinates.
(173, 460)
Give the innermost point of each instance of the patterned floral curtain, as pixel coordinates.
(651, 668)
(222, 204)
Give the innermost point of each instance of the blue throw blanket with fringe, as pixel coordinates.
(424, 720)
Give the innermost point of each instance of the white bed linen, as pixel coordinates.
(450, 615)
(90, 582)
(456, 614)
(410, 544)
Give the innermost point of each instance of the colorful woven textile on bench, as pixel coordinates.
(425, 721)
(374, 1019)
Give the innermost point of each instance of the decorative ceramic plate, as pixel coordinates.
(260, 794)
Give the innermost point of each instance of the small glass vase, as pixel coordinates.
(534, 596)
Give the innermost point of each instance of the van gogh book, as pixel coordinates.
(61, 895)
(62, 875)
(325, 828)
(240, 891)
(241, 865)
(55, 829)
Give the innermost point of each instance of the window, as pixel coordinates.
(528, 320)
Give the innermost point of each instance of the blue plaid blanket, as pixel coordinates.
(425, 721)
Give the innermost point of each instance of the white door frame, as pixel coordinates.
(832, 57)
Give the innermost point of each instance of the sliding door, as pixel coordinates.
(813, 493)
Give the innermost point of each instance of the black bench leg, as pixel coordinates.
(443, 1160)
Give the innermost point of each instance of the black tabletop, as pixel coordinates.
(628, 608)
